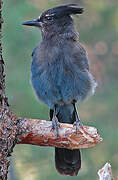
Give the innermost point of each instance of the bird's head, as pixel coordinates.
(56, 19)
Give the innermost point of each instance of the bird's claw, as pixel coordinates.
(77, 124)
(55, 125)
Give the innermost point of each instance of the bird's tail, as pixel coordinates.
(67, 162)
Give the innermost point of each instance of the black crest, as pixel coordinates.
(64, 10)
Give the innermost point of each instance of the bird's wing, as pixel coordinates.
(80, 57)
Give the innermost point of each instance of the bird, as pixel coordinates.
(60, 75)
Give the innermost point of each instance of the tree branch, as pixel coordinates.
(3, 99)
(38, 132)
(105, 173)
(5, 147)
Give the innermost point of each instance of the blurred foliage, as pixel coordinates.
(98, 28)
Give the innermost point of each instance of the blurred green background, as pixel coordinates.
(98, 28)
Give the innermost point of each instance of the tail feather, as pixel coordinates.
(67, 162)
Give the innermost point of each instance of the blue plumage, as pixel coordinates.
(60, 76)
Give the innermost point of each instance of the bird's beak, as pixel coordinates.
(34, 22)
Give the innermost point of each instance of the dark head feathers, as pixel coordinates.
(64, 10)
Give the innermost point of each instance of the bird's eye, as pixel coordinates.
(49, 18)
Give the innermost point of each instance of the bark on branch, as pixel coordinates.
(39, 132)
(105, 173)
(5, 145)
(15, 130)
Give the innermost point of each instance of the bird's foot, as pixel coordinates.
(55, 125)
(77, 124)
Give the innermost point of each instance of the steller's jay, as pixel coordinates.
(60, 75)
